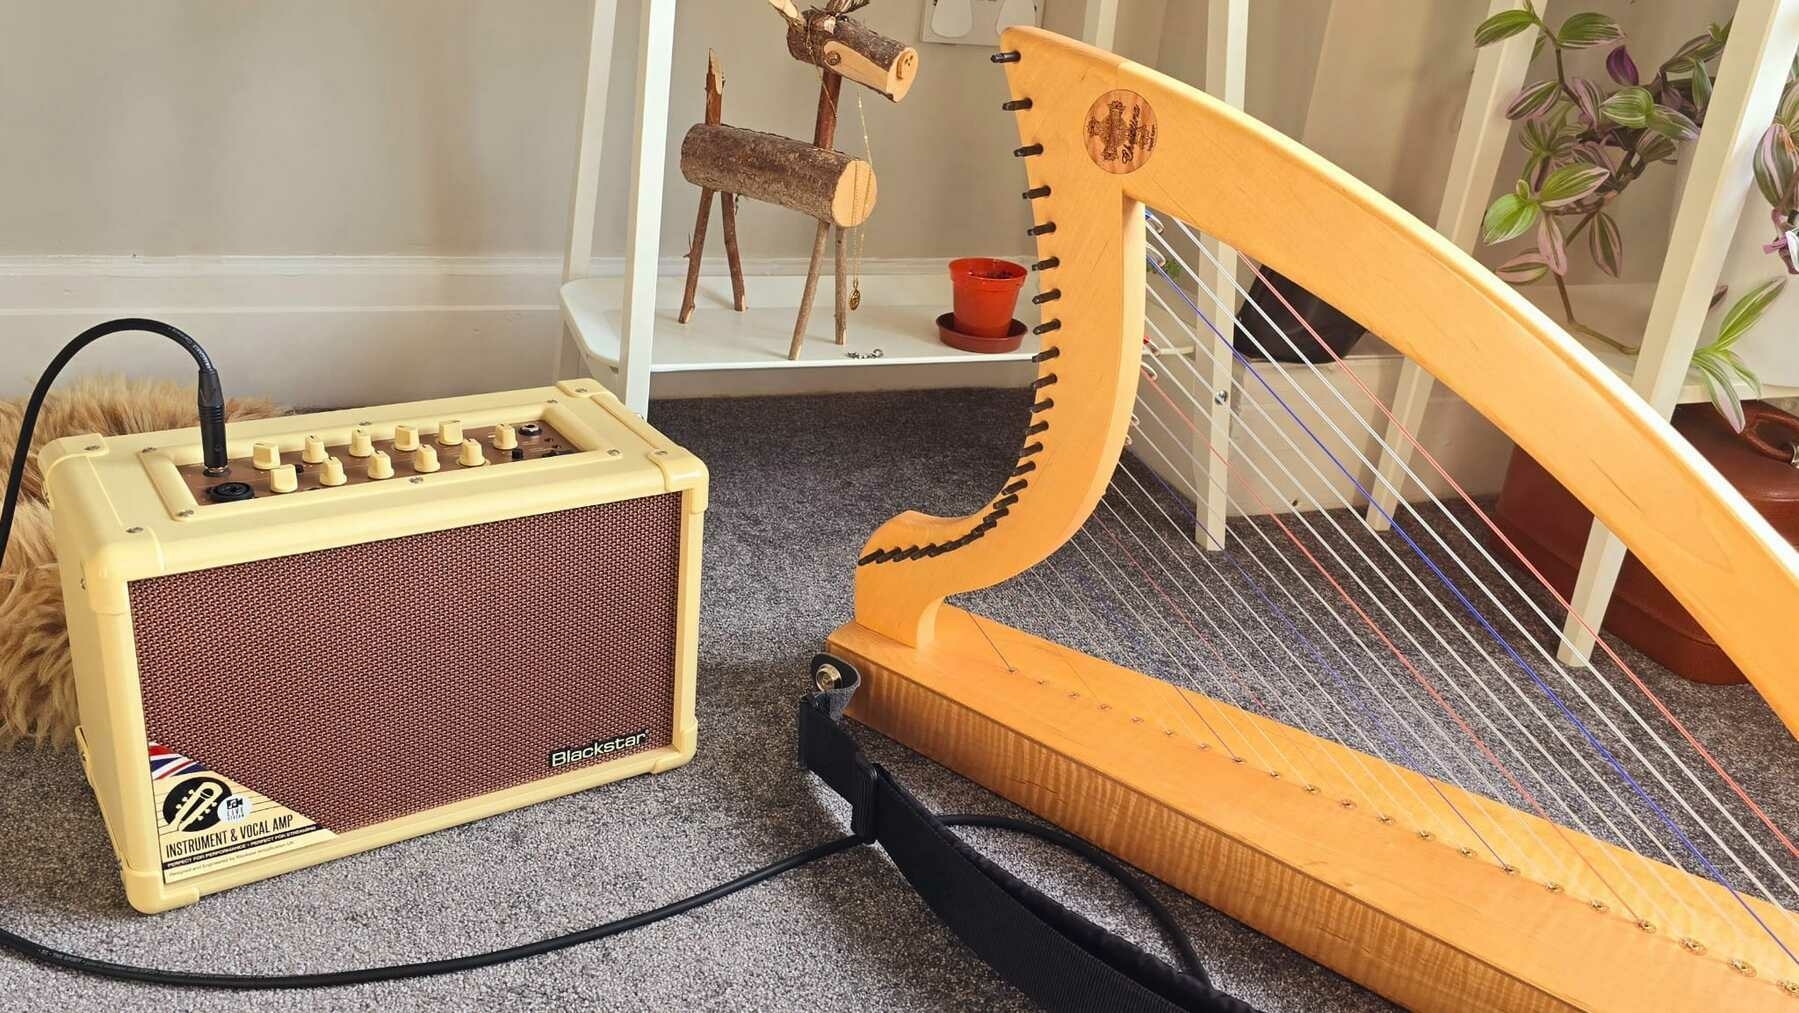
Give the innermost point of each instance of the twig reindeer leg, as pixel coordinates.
(840, 47)
(824, 132)
(732, 256)
(715, 113)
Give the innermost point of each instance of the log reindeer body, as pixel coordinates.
(827, 185)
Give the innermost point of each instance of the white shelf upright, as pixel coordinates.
(1227, 64)
(1751, 74)
(1499, 72)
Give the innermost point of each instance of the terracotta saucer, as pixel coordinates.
(946, 329)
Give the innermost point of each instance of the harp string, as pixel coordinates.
(1367, 716)
(1523, 728)
(1230, 555)
(1094, 623)
(1664, 783)
(1467, 635)
(1605, 754)
(1210, 691)
(1285, 697)
(1581, 856)
(1645, 898)
(1635, 716)
(1661, 708)
(1333, 730)
(1526, 796)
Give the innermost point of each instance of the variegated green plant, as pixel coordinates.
(1717, 363)
(1587, 142)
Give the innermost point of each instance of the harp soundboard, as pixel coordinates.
(1357, 741)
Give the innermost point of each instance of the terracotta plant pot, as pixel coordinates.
(986, 294)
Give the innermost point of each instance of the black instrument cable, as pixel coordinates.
(212, 435)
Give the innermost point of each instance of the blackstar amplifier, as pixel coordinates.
(381, 622)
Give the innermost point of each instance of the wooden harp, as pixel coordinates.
(1492, 832)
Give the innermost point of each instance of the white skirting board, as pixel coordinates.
(319, 331)
(310, 331)
(331, 331)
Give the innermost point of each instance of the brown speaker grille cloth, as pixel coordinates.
(359, 684)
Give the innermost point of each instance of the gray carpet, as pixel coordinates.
(797, 485)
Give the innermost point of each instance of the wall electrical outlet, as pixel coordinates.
(976, 22)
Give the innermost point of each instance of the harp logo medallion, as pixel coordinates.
(1121, 131)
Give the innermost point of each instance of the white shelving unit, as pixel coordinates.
(624, 330)
(895, 319)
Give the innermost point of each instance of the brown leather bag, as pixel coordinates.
(1550, 527)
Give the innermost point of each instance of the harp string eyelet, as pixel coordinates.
(1027, 151)
(1042, 297)
(1005, 56)
(1047, 264)
(1041, 230)
(1047, 326)
(1035, 192)
(1015, 105)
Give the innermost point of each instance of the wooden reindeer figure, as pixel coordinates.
(814, 178)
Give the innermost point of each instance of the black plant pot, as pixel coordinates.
(1286, 339)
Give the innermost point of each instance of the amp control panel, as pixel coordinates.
(375, 454)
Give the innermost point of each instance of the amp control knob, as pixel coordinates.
(449, 433)
(473, 455)
(266, 456)
(504, 436)
(314, 451)
(406, 438)
(380, 466)
(332, 474)
(361, 444)
(284, 479)
(424, 460)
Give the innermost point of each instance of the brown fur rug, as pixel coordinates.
(37, 685)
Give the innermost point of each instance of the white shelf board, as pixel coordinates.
(1621, 310)
(897, 316)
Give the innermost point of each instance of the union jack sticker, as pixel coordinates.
(165, 762)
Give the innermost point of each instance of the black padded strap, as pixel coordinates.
(1057, 957)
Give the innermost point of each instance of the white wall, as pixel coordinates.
(290, 180)
(343, 127)
(217, 161)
